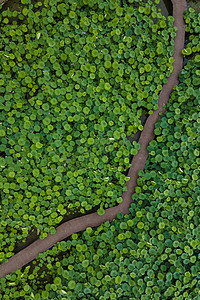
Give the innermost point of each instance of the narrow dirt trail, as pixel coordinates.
(66, 229)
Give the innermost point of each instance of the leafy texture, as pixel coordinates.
(76, 77)
(152, 253)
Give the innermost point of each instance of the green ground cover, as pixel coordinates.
(152, 253)
(75, 78)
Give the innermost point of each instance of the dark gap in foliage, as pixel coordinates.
(185, 61)
(48, 278)
(169, 6)
(188, 4)
(126, 3)
(13, 5)
(78, 214)
(32, 237)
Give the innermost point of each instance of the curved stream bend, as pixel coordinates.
(66, 229)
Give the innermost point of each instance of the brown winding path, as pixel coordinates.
(66, 229)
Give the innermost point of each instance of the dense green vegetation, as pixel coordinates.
(76, 76)
(152, 253)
